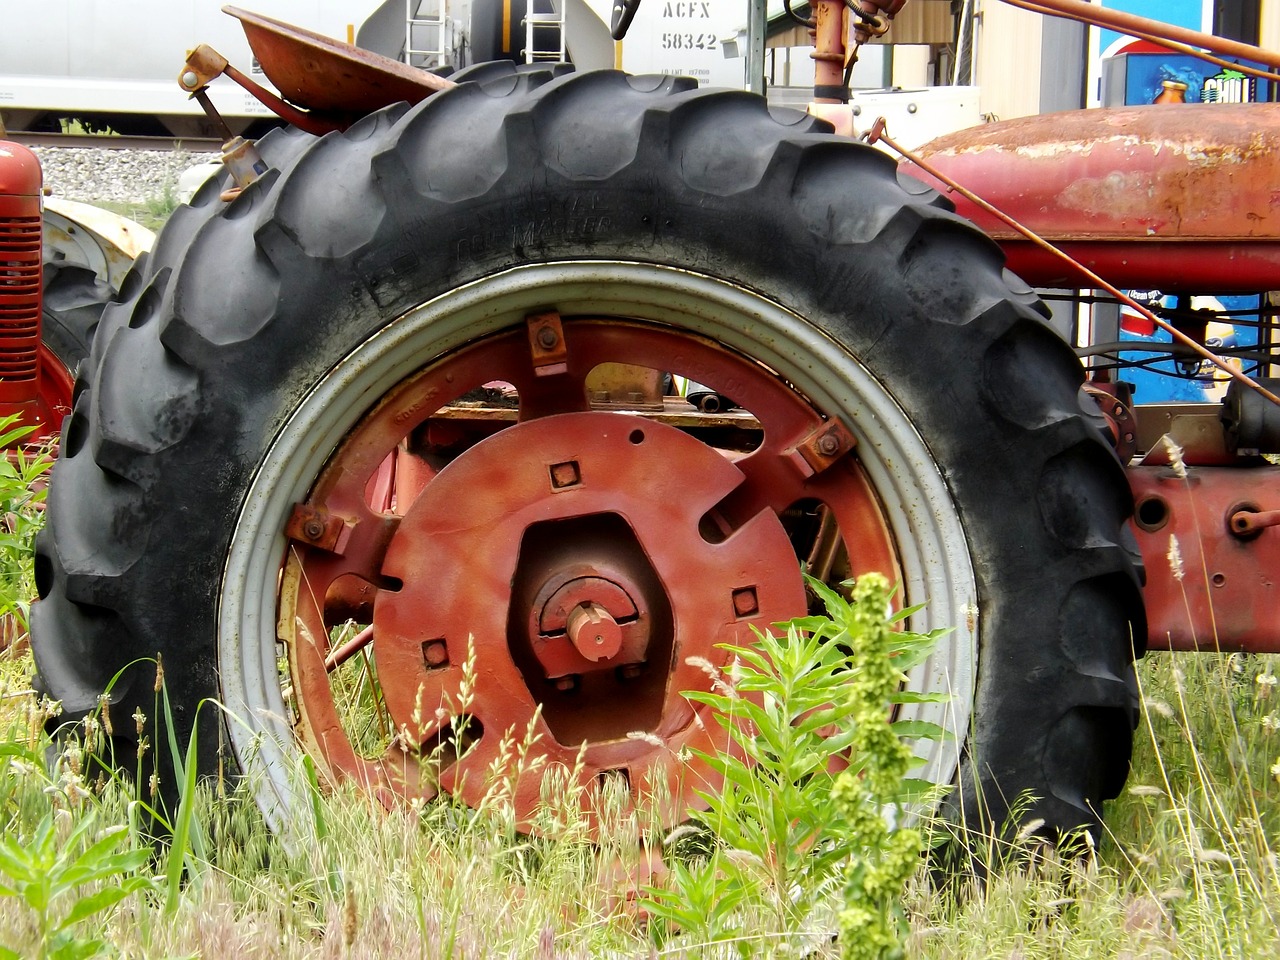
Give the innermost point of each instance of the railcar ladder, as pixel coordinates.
(427, 34)
(544, 32)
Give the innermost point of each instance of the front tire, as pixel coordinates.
(287, 356)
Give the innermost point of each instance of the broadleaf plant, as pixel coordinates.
(815, 785)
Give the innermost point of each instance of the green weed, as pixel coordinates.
(815, 788)
(66, 876)
(22, 493)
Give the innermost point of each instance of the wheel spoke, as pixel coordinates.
(548, 396)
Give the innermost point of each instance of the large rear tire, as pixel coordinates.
(267, 442)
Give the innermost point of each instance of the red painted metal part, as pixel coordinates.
(326, 75)
(465, 539)
(33, 383)
(1228, 597)
(829, 46)
(1170, 197)
(484, 564)
(20, 280)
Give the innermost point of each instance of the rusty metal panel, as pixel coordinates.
(1217, 589)
(1169, 196)
(319, 73)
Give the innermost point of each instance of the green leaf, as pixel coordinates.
(920, 730)
(106, 868)
(71, 949)
(96, 902)
(89, 864)
(9, 437)
(914, 791)
(912, 696)
(36, 894)
(21, 752)
(180, 845)
(16, 861)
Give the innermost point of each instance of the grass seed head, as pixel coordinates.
(350, 918)
(104, 705)
(1266, 683)
(1175, 558)
(1175, 457)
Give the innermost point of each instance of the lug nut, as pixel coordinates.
(828, 445)
(313, 529)
(565, 474)
(745, 602)
(548, 338)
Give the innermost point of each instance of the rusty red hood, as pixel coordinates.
(1170, 196)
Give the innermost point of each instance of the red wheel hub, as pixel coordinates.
(532, 492)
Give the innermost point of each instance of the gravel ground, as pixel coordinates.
(115, 176)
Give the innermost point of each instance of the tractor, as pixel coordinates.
(383, 418)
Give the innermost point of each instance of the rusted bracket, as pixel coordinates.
(821, 448)
(204, 64)
(316, 528)
(546, 344)
(1114, 400)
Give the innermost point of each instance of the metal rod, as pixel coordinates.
(342, 654)
(1146, 29)
(301, 119)
(829, 50)
(757, 26)
(202, 97)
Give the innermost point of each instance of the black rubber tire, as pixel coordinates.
(243, 307)
(74, 299)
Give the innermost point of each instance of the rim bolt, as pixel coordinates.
(548, 338)
(745, 602)
(435, 653)
(828, 445)
(313, 529)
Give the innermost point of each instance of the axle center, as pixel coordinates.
(594, 633)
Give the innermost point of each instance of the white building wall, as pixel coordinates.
(1007, 50)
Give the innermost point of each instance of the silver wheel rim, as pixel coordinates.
(930, 540)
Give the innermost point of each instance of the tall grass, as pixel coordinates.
(1188, 867)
